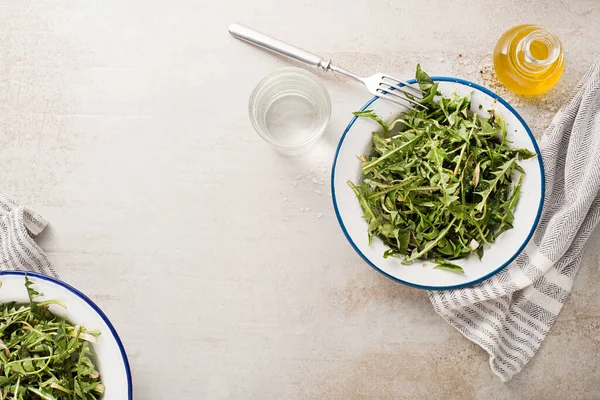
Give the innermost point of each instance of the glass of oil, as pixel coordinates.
(528, 59)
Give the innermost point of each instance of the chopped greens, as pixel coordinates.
(439, 182)
(43, 356)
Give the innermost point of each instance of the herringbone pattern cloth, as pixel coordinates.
(18, 250)
(510, 314)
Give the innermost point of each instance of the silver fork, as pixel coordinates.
(381, 85)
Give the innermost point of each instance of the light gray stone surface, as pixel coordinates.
(124, 122)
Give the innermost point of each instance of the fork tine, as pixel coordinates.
(407, 85)
(384, 96)
(398, 88)
(391, 91)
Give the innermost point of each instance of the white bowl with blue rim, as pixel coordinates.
(110, 354)
(356, 141)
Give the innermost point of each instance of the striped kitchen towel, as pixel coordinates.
(18, 250)
(510, 314)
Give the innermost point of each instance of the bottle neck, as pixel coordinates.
(538, 50)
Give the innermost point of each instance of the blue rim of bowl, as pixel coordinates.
(533, 227)
(95, 307)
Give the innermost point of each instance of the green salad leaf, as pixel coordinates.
(43, 356)
(439, 182)
(448, 266)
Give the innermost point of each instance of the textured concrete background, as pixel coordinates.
(125, 124)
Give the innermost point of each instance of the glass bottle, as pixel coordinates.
(528, 59)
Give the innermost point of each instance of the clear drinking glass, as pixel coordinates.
(290, 109)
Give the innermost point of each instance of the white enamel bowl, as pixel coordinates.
(112, 359)
(356, 141)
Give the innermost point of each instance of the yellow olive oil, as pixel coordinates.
(528, 59)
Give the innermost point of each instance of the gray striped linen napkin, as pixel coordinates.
(510, 314)
(18, 250)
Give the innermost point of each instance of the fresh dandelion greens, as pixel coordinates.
(43, 356)
(439, 182)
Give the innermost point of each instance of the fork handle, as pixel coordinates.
(277, 46)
